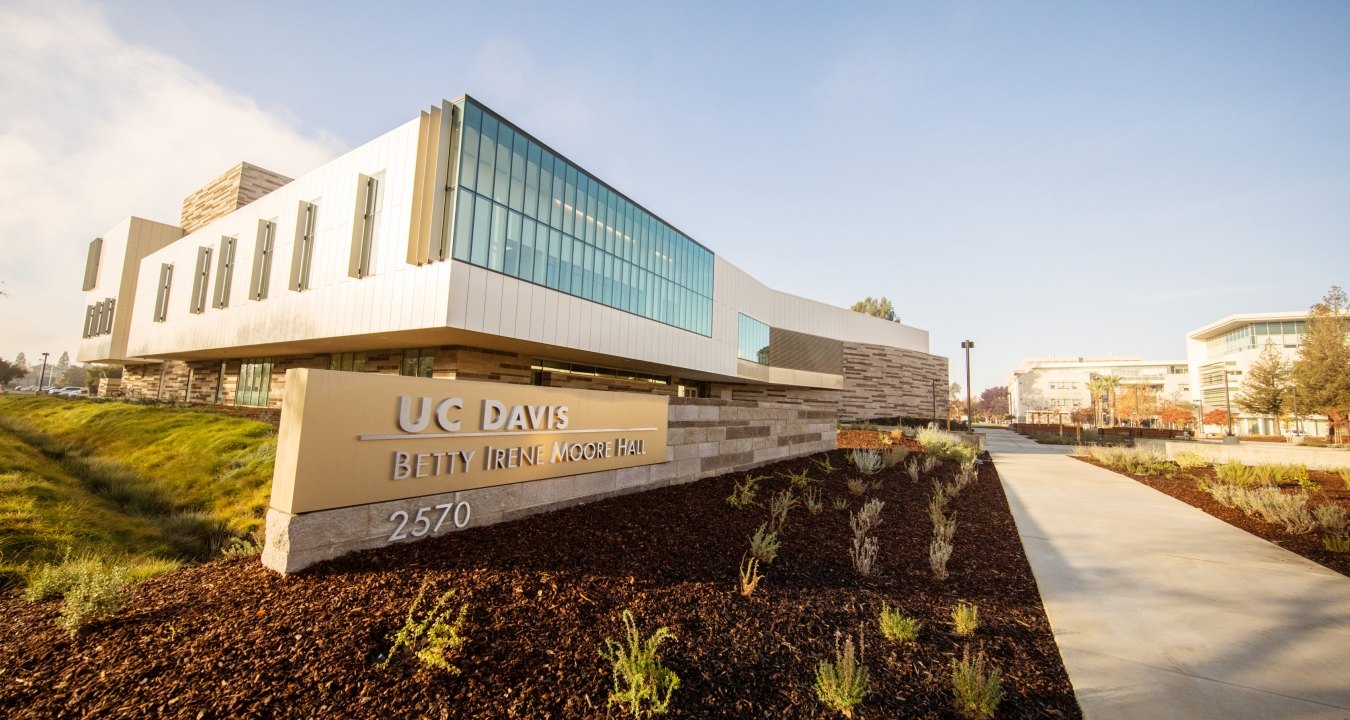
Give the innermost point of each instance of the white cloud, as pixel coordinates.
(92, 130)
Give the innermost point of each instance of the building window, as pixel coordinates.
(351, 362)
(262, 259)
(91, 263)
(418, 363)
(201, 280)
(305, 223)
(88, 320)
(542, 368)
(255, 381)
(224, 272)
(162, 293)
(369, 198)
(752, 343)
(106, 325)
(521, 210)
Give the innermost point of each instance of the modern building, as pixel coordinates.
(1050, 389)
(1222, 353)
(460, 246)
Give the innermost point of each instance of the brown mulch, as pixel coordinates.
(232, 639)
(871, 440)
(1182, 485)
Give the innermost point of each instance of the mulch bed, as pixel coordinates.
(871, 439)
(1182, 485)
(232, 639)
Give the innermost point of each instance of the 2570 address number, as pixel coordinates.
(458, 513)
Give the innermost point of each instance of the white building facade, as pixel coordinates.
(459, 246)
(1050, 389)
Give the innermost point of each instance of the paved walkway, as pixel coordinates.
(1162, 611)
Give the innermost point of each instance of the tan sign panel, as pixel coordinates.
(355, 438)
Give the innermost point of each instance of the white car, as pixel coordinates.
(71, 392)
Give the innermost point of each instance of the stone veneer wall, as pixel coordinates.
(239, 186)
(706, 438)
(885, 382)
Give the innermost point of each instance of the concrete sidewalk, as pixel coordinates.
(1162, 611)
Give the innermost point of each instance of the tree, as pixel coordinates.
(94, 373)
(1081, 416)
(1138, 403)
(1322, 370)
(994, 402)
(1217, 417)
(1173, 414)
(881, 308)
(62, 365)
(21, 362)
(1111, 382)
(1097, 386)
(9, 371)
(74, 376)
(1266, 384)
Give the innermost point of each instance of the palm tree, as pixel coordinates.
(1097, 386)
(1110, 382)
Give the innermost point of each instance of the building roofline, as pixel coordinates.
(1233, 321)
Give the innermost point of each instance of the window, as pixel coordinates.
(753, 340)
(369, 198)
(108, 306)
(201, 280)
(255, 381)
(91, 263)
(541, 368)
(224, 272)
(418, 363)
(351, 362)
(303, 253)
(262, 259)
(88, 321)
(162, 293)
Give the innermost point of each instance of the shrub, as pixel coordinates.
(799, 480)
(929, 463)
(857, 486)
(197, 534)
(750, 575)
(867, 519)
(98, 590)
(1330, 518)
(863, 554)
(896, 627)
(842, 684)
(977, 687)
(241, 547)
(1132, 461)
(764, 544)
(743, 493)
(912, 470)
(1191, 459)
(939, 553)
(1336, 543)
(431, 637)
(823, 462)
(1234, 472)
(839, 503)
(965, 618)
(642, 685)
(779, 505)
(1345, 477)
(868, 462)
(811, 500)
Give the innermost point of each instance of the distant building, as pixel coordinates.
(1222, 353)
(1049, 389)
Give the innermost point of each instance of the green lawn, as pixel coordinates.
(140, 483)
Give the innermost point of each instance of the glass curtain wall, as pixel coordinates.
(752, 340)
(527, 212)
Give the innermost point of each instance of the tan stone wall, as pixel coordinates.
(884, 382)
(706, 438)
(239, 186)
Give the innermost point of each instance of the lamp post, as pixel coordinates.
(934, 398)
(970, 415)
(42, 375)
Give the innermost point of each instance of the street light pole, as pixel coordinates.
(934, 399)
(42, 375)
(970, 414)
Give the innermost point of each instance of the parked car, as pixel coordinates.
(70, 392)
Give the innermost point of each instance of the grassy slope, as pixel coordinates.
(194, 460)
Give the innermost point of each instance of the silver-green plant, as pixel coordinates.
(812, 502)
(743, 493)
(965, 618)
(98, 590)
(764, 544)
(1329, 517)
(842, 684)
(863, 555)
(839, 503)
(1188, 459)
(857, 486)
(912, 469)
(868, 462)
(1338, 543)
(929, 463)
(977, 686)
(822, 462)
(896, 626)
(1234, 472)
(779, 506)
(939, 554)
(430, 636)
(867, 519)
(799, 480)
(241, 547)
(642, 684)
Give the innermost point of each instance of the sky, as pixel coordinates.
(1041, 178)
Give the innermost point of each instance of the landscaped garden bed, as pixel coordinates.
(1303, 535)
(542, 595)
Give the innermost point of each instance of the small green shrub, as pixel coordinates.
(764, 544)
(799, 480)
(912, 470)
(642, 685)
(842, 684)
(977, 686)
(779, 506)
(431, 637)
(1330, 518)
(839, 503)
(1234, 472)
(811, 500)
(743, 493)
(241, 547)
(868, 462)
(965, 618)
(897, 627)
(929, 463)
(1188, 459)
(857, 486)
(822, 461)
(1338, 543)
(97, 590)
